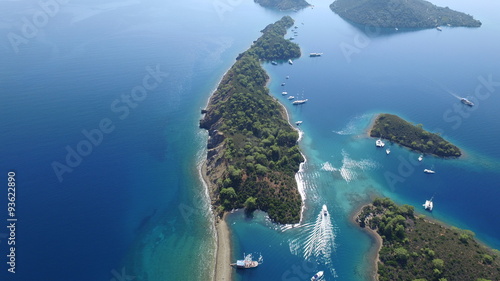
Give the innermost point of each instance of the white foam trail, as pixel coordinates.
(350, 167)
(354, 126)
(320, 240)
(327, 166)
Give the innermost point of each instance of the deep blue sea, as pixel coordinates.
(99, 110)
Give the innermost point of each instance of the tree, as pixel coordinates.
(438, 263)
(250, 204)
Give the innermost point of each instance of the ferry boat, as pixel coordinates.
(420, 158)
(466, 102)
(245, 264)
(379, 143)
(428, 205)
(315, 54)
(317, 276)
(284, 93)
(290, 61)
(429, 171)
(297, 102)
(291, 97)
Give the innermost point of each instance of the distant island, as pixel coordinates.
(414, 248)
(400, 14)
(252, 154)
(395, 129)
(283, 4)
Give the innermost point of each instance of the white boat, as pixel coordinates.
(284, 93)
(290, 61)
(291, 97)
(298, 123)
(379, 143)
(246, 263)
(317, 276)
(287, 77)
(421, 157)
(466, 102)
(324, 210)
(439, 28)
(429, 171)
(283, 84)
(297, 102)
(274, 63)
(387, 151)
(315, 54)
(428, 205)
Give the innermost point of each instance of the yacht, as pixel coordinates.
(429, 171)
(299, 102)
(291, 97)
(290, 61)
(428, 205)
(466, 102)
(317, 276)
(284, 93)
(439, 28)
(379, 143)
(420, 158)
(298, 123)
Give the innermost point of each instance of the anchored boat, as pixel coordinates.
(428, 205)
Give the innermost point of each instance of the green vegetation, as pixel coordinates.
(416, 249)
(400, 14)
(253, 154)
(283, 4)
(395, 129)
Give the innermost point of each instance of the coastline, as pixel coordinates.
(373, 254)
(298, 180)
(223, 249)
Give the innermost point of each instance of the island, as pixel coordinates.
(283, 5)
(400, 131)
(412, 247)
(253, 154)
(400, 14)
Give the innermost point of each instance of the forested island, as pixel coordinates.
(283, 4)
(418, 249)
(252, 149)
(395, 129)
(400, 14)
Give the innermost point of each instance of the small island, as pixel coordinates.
(283, 5)
(415, 248)
(253, 154)
(400, 14)
(395, 129)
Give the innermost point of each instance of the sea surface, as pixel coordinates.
(99, 110)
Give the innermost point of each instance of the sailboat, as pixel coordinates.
(428, 205)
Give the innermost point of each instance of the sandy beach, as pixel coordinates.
(223, 271)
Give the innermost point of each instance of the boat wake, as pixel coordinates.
(355, 126)
(351, 169)
(316, 240)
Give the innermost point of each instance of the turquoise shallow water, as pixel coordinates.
(135, 204)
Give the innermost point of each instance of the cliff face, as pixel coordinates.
(252, 152)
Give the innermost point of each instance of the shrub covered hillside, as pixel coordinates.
(283, 4)
(395, 129)
(253, 154)
(414, 248)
